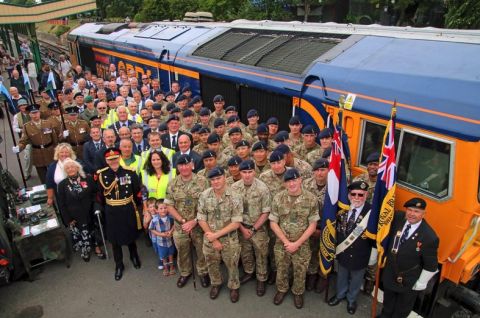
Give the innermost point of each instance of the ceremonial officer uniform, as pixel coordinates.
(411, 259)
(76, 131)
(45, 112)
(43, 137)
(56, 120)
(120, 187)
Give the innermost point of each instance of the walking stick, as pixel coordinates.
(101, 231)
(193, 265)
(375, 294)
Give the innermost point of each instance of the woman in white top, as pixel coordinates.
(32, 75)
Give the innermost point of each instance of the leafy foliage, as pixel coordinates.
(463, 14)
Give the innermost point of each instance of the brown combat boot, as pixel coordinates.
(321, 285)
(368, 287)
(310, 281)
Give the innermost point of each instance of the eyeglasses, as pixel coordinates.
(144, 79)
(101, 107)
(360, 195)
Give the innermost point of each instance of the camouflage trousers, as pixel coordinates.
(230, 254)
(271, 247)
(371, 272)
(254, 251)
(299, 260)
(182, 243)
(313, 267)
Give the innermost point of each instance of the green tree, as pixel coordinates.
(155, 10)
(265, 10)
(222, 10)
(463, 14)
(178, 8)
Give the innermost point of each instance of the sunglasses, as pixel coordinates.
(144, 79)
(360, 195)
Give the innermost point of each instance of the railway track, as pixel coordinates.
(55, 50)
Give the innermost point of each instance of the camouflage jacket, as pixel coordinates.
(258, 172)
(256, 200)
(273, 181)
(303, 167)
(296, 144)
(310, 185)
(303, 151)
(220, 213)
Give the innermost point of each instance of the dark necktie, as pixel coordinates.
(405, 234)
(97, 146)
(124, 125)
(126, 102)
(139, 148)
(174, 144)
(351, 221)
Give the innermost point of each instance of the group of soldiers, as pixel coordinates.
(263, 199)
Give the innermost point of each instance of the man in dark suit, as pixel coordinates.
(411, 259)
(123, 121)
(139, 144)
(354, 250)
(109, 142)
(184, 144)
(170, 139)
(91, 147)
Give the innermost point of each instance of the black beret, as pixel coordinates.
(175, 110)
(186, 89)
(181, 97)
(72, 110)
(216, 172)
(190, 103)
(218, 98)
(94, 117)
(358, 185)
(173, 117)
(218, 122)
(262, 128)
(272, 121)
(204, 111)
(418, 203)
(326, 133)
(77, 94)
(259, 145)
(247, 165)
(67, 91)
(291, 174)
(169, 93)
(183, 159)
(188, 113)
(109, 98)
(242, 143)
(54, 105)
(252, 113)
(295, 120)
(196, 99)
(162, 127)
(157, 106)
(234, 161)
(209, 153)
(148, 120)
(34, 108)
(158, 92)
(283, 149)
(309, 129)
(213, 138)
(204, 130)
(234, 130)
(320, 163)
(232, 119)
(327, 152)
(281, 136)
(374, 157)
(170, 106)
(276, 156)
(195, 128)
(231, 108)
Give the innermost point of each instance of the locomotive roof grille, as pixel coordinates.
(276, 50)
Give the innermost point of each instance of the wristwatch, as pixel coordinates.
(183, 220)
(196, 220)
(253, 229)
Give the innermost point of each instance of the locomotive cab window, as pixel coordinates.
(372, 140)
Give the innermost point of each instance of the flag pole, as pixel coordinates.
(61, 110)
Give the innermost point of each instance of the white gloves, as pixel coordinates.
(16, 149)
(373, 257)
(97, 212)
(422, 281)
(65, 133)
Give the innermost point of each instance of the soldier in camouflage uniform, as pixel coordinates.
(282, 138)
(218, 103)
(181, 198)
(273, 178)
(296, 138)
(194, 132)
(309, 134)
(253, 118)
(326, 139)
(262, 135)
(254, 236)
(209, 158)
(204, 132)
(214, 143)
(233, 168)
(76, 131)
(291, 162)
(205, 118)
(317, 185)
(235, 135)
(188, 121)
(220, 129)
(293, 218)
(260, 156)
(220, 212)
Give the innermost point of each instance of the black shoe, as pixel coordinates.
(351, 307)
(118, 273)
(136, 263)
(335, 301)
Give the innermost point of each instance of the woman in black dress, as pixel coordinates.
(78, 193)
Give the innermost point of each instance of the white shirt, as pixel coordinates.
(413, 228)
(133, 118)
(357, 212)
(185, 153)
(176, 138)
(64, 67)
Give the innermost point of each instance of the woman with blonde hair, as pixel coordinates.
(78, 194)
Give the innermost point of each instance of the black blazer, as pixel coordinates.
(197, 160)
(408, 256)
(107, 90)
(117, 126)
(146, 146)
(89, 151)
(357, 255)
(78, 207)
(99, 159)
(166, 142)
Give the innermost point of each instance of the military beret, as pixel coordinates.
(231, 108)
(195, 128)
(213, 138)
(22, 102)
(162, 127)
(216, 172)
(259, 145)
(234, 130)
(204, 111)
(190, 103)
(186, 89)
(418, 203)
(77, 94)
(283, 149)
(281, 136)
(291, 174)
(169, 93)
(262, 128)
(173, 117)
(209, 153)
(204, 130)
(218, 98)
(34, 108)
(41, 89)
(218, 122)
(181, 97)
(232, 119)
(295, 120)
(72, 110)
(320, 163)
(247, 165)
(148, 120)
(183, 159)
(309, 129)
(157, 106)
(234, 161)
(52, 105)
(95, 117)
(272, 121)
(170, 106)
(252, 113)
(276, 156)
(326, 133)
(358, 185)
(175, 110)
(374, 157)
(110, 98)
(68, 91)
(112, 153)
(158, 92)
(327, 152)
(242, 143)
(88, 99)
(188, 113)
(196, 99)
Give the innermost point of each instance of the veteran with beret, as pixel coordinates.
(76, 131)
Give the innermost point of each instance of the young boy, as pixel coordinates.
(148, 217)
(163, 228)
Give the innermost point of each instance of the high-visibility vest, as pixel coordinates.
(167, 151)
(138, 120)
(137, 164)
(111, 118)
(157, 187)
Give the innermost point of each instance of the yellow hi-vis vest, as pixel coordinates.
(167, 151)
(111, 118)
(137, 164)
(157, 187)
